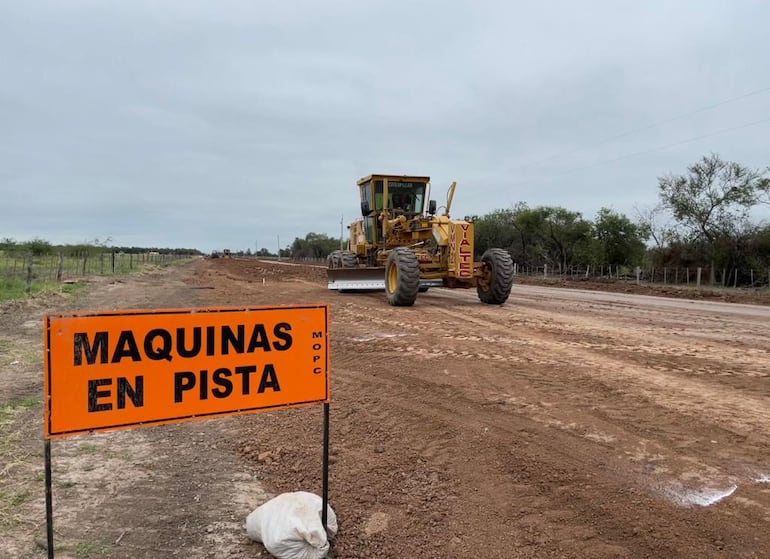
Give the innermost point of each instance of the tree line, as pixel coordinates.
(701, 220)
(41, 247)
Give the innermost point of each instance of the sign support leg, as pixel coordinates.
(325, 488)
(48, 498)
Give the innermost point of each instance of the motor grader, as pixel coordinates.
(404, 245)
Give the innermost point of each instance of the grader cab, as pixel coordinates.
(404, 245)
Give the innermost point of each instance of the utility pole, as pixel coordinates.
(342, 217)
(279, 247)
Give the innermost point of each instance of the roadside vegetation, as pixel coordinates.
(38, 267)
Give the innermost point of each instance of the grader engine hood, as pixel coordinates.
(461, 249)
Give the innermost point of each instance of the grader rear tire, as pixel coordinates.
(494, 285)
(402, 277)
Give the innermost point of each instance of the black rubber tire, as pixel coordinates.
(348, 259)
(402, 277)
(494, 286)
(334, 260)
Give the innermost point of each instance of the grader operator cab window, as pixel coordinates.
(405, 196)
(401, 201)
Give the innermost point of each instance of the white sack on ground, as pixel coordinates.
(289, 526)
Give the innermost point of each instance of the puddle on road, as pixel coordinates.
(700, 498)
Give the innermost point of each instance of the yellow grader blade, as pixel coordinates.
(353, 279)
(367, 279)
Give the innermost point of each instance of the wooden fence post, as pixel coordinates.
(735, 279)
(29, 273)
(545, 270)
(697, 281)
(59, 267)
(85, 259)
(688, 276)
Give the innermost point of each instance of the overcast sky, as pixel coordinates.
(233, 123)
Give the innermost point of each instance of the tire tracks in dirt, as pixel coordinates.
(549, 427)
(648, 451)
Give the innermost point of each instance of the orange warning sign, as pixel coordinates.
(123, 369)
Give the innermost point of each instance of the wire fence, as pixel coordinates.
(35, 269)
(695, 276)
(685, 276)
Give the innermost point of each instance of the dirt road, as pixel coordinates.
(566, 423)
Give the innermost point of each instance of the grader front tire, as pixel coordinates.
(494, 286)
(402, 277)
(348, 259)
(334, 260)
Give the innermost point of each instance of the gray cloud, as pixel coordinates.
(207, 125)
